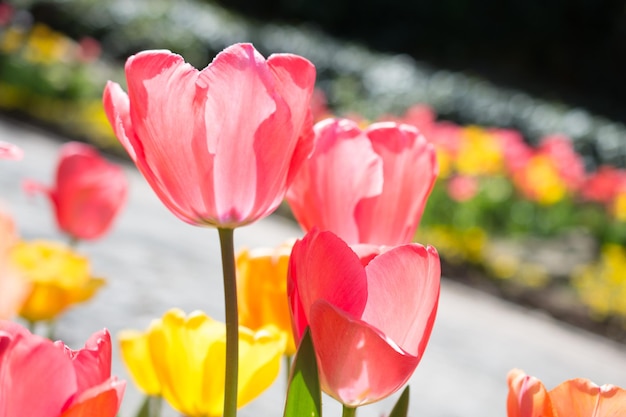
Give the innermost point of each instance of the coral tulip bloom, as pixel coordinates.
(59, 278)
(183, 358)
(366, 186)
(218, 146)
(88, 193)
(262, 290)
(527, 397)
(582, 398)
(41, 378)
(370, 315)
(577, 397)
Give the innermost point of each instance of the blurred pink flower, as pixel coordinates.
(10, 151)
(370, 314)
(569, 164)
(219, 146)
(603, 185)
(462, 187)
(88, 193)
(367, 186)
(41, 378)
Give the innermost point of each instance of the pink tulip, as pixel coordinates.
(10, 151)
(39, 377)
(366, 186)
(88, 194)
(218, 146)
(370, 314)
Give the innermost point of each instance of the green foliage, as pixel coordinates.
(304, 396)
(401, 409)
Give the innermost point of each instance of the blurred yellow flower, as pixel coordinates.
(59, 278)
(540, 181)
(444, 160)
(262, 290)
(13, 289)
(183, 358)
(619, 206)
(602, 285)
(46, 46)
(479, 152)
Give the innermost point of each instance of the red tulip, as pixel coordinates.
(366, 186)
(39, 377)
(370, 315)
(218, 146)
(88, 194)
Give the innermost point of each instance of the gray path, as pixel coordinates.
(153, 262)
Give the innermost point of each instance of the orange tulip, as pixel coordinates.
(528, 396)
(577, 397)
(262, 290)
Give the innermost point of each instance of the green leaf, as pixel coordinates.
(401, 409)
(304, 396)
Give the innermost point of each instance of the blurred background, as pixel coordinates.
(524, 101)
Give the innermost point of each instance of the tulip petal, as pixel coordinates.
(135, 353)
(102, 400)
(410, 170)
(343, 170)
(358, 364)
(323, 267)
(93, 362)
(527, 396)
(241, 85)
(580, 397)
(403, 293)
(259, 361)
(296, 79)
(28, 363)
(117, 108)
(170, 125)
(194, 342)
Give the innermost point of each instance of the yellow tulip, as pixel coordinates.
(59, 278)
(183, 357)
(262, 290)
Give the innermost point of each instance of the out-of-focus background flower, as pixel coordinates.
(524, 105)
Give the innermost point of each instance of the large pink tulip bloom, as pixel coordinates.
(41, 378)
(218, 146)
(367, 186)
(88, 193)
(370, 314)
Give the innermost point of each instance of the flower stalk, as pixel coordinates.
(348, 411)
(232, 321)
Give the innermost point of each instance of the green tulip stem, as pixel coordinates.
(348, 411)
(232, 322)
(73, 242)
(288, 361)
